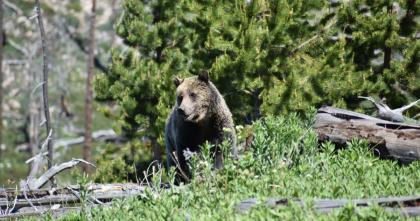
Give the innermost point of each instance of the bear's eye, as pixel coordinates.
(193, 95)
(179, 98)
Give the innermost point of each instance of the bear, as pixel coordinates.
(200, 114)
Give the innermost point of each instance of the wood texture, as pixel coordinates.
(389, 139)
(62, 200)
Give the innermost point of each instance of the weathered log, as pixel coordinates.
(405, 205)
(40, 201)
(388, 139)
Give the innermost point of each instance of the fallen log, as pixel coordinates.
(18, 203)
(405, 205)
(394, 140)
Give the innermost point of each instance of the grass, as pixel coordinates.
(284, 161)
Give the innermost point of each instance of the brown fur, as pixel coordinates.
(199, 115)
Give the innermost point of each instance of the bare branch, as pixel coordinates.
(386, 113)
(33, 184)
(406, 107)
(45, 79)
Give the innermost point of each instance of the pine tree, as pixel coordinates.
(141, 77)
(266, 57)
(369, 49)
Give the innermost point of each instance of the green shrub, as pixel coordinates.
(351, 173)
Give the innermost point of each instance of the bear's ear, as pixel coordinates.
(204, 76)
(178, 81)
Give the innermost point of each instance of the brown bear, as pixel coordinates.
(200, 114)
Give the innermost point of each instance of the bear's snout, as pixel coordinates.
(181, 111)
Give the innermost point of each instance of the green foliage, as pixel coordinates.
(141, 78)
(312, 173)
(122, 164)
(266, 57)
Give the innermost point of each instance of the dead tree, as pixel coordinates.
(87, 150)
(45, 82)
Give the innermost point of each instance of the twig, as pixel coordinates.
(35, 157)
(175, 159)
(37, 86)
(26, 197)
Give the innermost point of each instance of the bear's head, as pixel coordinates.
(194, 97)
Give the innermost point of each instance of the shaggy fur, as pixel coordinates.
(199, 115)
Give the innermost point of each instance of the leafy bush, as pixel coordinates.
(123, 164)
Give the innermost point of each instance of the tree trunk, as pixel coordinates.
(388, 139)
(1, 77)
(45, 84)
(87, 150)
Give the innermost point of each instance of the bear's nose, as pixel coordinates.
(181, 111)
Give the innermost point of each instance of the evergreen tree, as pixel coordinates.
(141, 77)
(370, 49)
(265, 56)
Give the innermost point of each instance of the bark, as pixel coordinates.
(45, 82)
(388, 139)
(87, 150)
